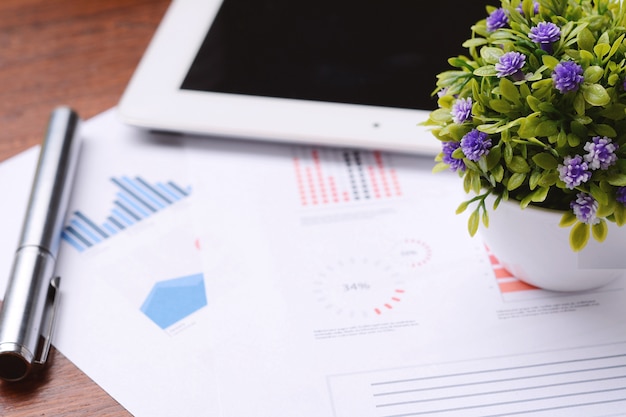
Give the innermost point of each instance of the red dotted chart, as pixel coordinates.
(414, 253)
(326, 177)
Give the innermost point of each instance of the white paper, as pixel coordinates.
(316, 282)
(322, 298)
(102, 327)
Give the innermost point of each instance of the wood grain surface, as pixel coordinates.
(80, 53)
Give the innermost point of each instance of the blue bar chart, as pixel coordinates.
(135, 200)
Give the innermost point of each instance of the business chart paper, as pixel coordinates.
(131, 274)
(348, 286)
(209, 277)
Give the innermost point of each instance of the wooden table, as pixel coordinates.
(81, 53)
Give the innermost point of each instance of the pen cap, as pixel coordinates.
(52, 184)
(25, 317)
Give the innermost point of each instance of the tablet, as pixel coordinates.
(350, 73)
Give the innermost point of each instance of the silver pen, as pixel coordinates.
(31, 298)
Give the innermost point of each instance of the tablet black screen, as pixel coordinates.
(375, 52)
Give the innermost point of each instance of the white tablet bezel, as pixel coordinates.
(153, 99)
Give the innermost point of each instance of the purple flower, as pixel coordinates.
(496, 20)
(511, 63)
(601, 153)
(455, 164)
(585, 208)
(567, 76)
(545, 34)
(475, 144)
(535, 8)
(462, 110)
(621, 195)
(574, 171)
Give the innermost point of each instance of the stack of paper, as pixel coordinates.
(226, 278)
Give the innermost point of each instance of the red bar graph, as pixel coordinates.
(507, 282)
(328, 176)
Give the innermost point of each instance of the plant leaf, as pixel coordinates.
(467, 182)
(533, 103)
(605, 210)
(616, 45)
(485, 218)
(593, 74)
(546, 128)
(579, 236)
(540, 194)
(549, 61)
(493, 157)
(620, 214)
(516, 180)
(498, 172)
(476, 183)
(518, 165)
(473, 222)
(509, 91)
(601, 50)
(545, 160)
(501, 106)
(474, 42)
(601, 196)
(548, 179)
(462, 207)
(441, 115)
(595, 95)
(599, 231)
(579, 104)
(604, 130)
(491, 54)
(440, 167)
(586, 40)
(528, 126)
(486, 71)
(618, 180)
(568, 219)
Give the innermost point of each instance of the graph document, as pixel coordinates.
(356, 291)
(210, 277)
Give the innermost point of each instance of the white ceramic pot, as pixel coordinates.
(530, 244)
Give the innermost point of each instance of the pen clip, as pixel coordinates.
(52, 303)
